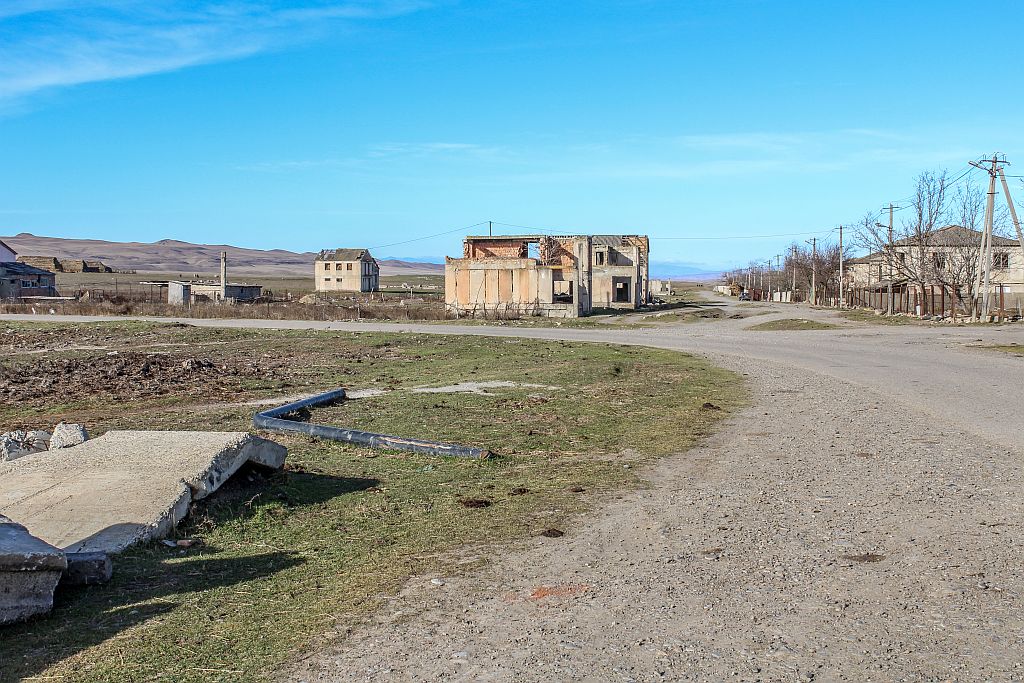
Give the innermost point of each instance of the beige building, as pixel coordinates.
(563, 277)
(346, 270)
(950, 251)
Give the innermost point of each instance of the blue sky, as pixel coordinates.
(312, 124)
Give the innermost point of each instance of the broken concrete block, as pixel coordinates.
(123, 487)
(66, 435)
(29, 572)
(87, 569)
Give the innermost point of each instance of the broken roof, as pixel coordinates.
(343, 255)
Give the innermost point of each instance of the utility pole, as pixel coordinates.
(814, 270)
(1013, 209)
(888, 261)
(984, 274)
(778, 267)
(792, 294)
(842, 289)
(490, 228)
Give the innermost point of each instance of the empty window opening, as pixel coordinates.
(1001, 261)
(621, 291)
(562, 291)
(599, 258)
(533, 250)
(327, 266)
(348, 266)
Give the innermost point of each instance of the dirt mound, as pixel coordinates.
(123, 375)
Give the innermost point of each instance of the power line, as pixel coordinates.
(427, 237)
(750, 237)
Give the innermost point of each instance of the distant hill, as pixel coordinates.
(173, 256)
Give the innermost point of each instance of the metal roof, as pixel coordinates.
(21, 269)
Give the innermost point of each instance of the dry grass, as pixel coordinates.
(295, 558)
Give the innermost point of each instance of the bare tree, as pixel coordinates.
(913, 259)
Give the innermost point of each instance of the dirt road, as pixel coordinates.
(861, 520)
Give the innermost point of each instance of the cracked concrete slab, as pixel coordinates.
(125, 487)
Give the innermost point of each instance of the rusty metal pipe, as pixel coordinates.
(274, 420)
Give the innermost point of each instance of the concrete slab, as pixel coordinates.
(124, 487)
(29, 572)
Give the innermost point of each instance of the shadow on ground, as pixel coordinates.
(154, 580)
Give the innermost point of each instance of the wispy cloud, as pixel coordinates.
(53, 43)
(388, 154)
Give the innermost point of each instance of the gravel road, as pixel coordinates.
(860, 521)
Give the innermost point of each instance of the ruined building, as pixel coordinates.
(555, 276)
(346, 270)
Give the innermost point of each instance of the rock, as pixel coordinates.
(66, 435)
(29, 572)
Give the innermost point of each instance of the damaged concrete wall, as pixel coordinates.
(620, 271)
(521, 275)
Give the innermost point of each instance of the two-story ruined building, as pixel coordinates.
(556, 276)
(346, 270)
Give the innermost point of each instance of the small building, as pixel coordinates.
(346, 270)
(179, 293)
(19, 280)
(231, 292)
(554, 276)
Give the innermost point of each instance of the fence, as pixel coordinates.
(935, 300)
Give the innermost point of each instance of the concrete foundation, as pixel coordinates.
(29, 572)
(124, 487)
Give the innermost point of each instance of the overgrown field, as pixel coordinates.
(293, 559)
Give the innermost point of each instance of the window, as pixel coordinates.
(902, 256)
(939, 261)
(620, 290)
(348, 266)
(599, 258)
(879, 271)
(1001, 261)
(327, 279)
(327, 266)
(562, 291)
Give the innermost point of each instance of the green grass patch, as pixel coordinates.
(1015, 349)
(293, 559)
(786, 324)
